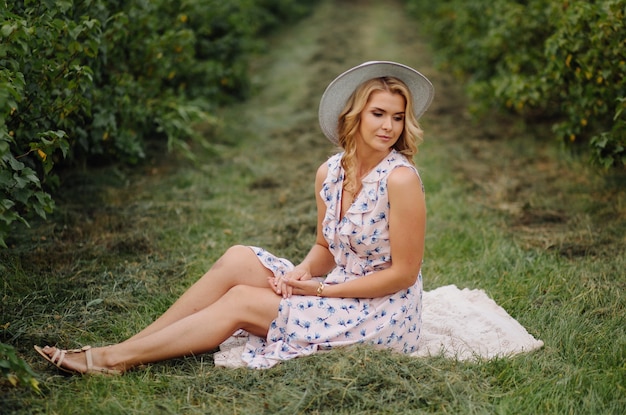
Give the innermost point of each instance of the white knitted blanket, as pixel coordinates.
(460, 324)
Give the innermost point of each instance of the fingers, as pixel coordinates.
(288, 290)
(280, 285)
(299, 274)
(288, 286)
(272, 282)
(303, 287)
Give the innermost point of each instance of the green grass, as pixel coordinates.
(541, 233)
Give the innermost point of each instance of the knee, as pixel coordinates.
(232, 255)
(252, 301)
(239, 292)
(237, 253)
(240, 298)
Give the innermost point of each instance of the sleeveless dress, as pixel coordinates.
(360, 245)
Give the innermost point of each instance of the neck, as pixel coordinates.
(366, 162)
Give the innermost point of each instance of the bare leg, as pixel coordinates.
(242, 307)
(238, 266)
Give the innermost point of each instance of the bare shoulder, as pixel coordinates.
(404, 179)
(320, 176)
(322, 170)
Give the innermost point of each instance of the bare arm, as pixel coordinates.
(407, 226)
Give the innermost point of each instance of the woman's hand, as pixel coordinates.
(282, 283)
(307, 287)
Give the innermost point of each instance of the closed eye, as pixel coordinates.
(399, 117)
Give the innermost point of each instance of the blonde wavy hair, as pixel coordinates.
(350, 120)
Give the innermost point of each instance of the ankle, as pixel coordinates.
(110, 359)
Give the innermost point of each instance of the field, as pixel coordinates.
(537, 229)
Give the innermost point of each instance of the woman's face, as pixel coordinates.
(382, 122)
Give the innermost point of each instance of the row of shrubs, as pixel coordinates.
(98, 79)
(561, 61)
(87, 79)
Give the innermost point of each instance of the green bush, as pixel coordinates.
(15, 371)
(561, 61)
(97, 79)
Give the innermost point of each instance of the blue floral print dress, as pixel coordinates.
(360, 245)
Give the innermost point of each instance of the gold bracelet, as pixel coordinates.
(320, 289)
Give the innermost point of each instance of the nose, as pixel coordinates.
(387, 124)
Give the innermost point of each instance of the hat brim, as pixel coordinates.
(339, 91)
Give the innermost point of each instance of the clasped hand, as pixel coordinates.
(296, 282)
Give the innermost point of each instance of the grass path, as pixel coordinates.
(543, 235)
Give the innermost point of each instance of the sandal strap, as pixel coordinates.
(88, 357)
(57, 357)
(89, 360)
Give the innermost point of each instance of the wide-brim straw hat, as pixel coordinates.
(339, 91)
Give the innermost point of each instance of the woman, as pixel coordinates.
(371, 206)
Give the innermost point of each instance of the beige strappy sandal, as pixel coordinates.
(58, 357)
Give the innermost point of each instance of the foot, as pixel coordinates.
(85, 361)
